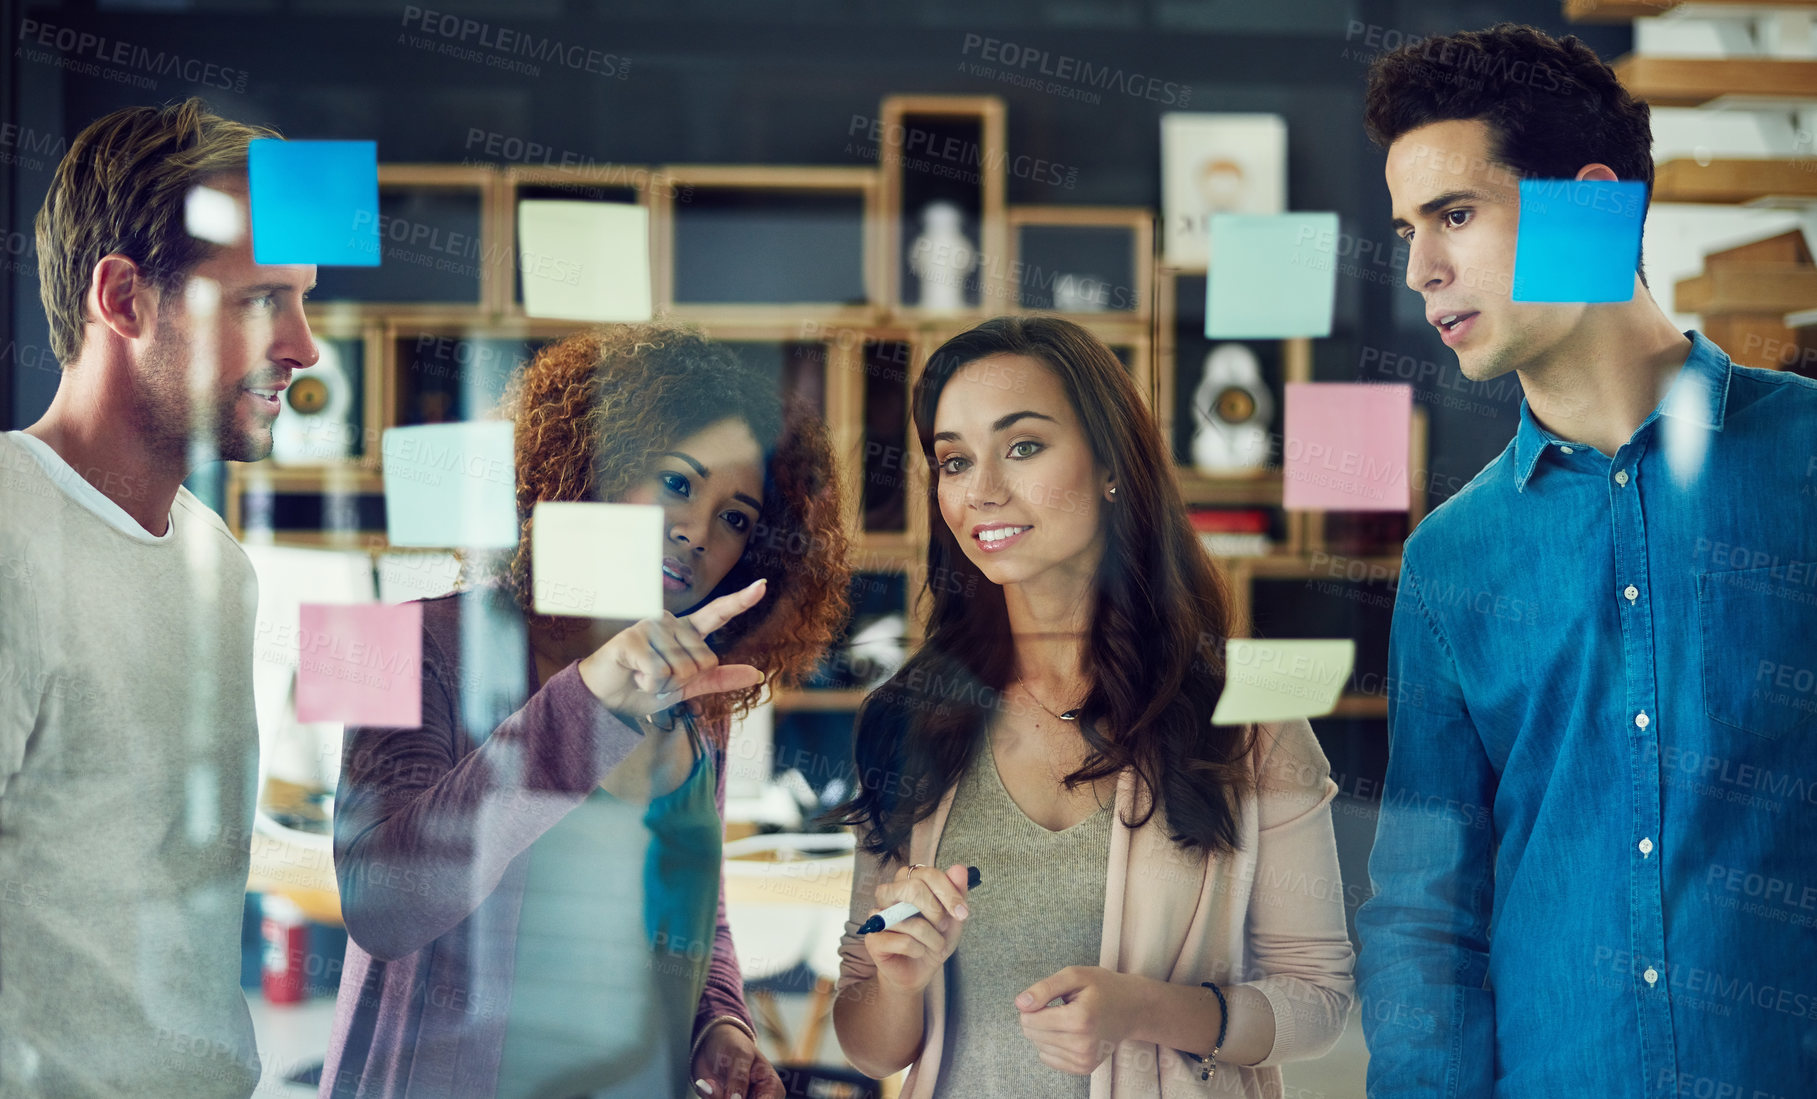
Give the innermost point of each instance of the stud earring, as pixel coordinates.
(1113, 490)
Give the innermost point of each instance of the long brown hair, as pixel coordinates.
(594, 410)
(1154, 649)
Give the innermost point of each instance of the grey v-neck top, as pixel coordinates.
(1038, 909)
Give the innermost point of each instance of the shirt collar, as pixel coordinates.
(1699, 395)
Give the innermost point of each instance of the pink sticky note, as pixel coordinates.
(1347, 446)
(361, 663)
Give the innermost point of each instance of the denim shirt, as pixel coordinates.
(1596, 865)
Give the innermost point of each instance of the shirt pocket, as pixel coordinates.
(1759, 648)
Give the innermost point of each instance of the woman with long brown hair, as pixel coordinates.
(531, 880)
(1160, 895)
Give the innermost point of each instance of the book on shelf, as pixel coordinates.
(1233, 532)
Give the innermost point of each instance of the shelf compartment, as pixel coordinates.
(623, 184)
(943, 148)
(1097, 259)
(761, 243)
(434, 247)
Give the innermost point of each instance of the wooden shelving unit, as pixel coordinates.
(1699, 81)
(1139, 322)
(1621, 11)
(1735, 180)
(1746, 297)
(1777, 288)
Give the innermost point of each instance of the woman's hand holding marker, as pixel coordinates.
(908, 947)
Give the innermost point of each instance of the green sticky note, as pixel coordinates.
(1282, 680)
(1271, 276)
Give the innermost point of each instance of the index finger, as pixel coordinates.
(726, 607)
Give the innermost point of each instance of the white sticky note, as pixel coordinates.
(584, 261)
(597, 560)
(451, 485)
(1280, 680)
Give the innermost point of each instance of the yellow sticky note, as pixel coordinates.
(597, 560)
(1281, 680)
(584, 261)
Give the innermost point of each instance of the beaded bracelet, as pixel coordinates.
(1208, 1064)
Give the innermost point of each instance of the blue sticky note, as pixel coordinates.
(1271, 276)
(1579, 240)
(451, 485)
(315, 202)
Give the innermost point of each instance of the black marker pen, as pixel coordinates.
(903, 910)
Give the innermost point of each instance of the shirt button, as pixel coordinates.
(1631, 592)
(1642, 720)
(1646, 847)
(1621, 476)
(1651, 975)
(1566, 449)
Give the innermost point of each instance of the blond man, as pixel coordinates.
(128, 745)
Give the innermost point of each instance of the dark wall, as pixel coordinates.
(729, 81)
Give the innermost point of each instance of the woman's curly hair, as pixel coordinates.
(595, 410)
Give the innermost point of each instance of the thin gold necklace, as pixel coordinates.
(1067, 715)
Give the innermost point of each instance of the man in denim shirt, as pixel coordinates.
(1596, 865)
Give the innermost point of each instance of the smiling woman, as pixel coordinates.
(1055, 732)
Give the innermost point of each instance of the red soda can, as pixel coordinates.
(286, 935)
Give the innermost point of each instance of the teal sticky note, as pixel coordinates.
(1579, 240)
(1271, 276)
(314, 202)
(451, 485)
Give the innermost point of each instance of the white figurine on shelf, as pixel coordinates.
(1080, 294)
(941, 258)
(1233, 408)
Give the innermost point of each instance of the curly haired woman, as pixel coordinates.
(531, 879)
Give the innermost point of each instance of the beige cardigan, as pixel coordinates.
(1270, 916)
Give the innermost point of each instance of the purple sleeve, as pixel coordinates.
(723, 993)
(423, 829)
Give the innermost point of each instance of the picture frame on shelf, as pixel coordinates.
(1215, 163)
